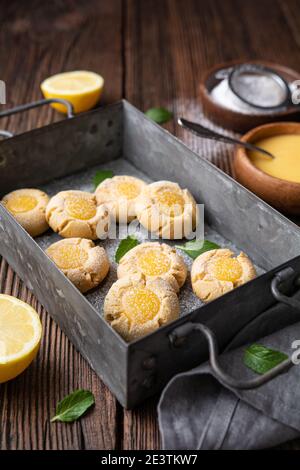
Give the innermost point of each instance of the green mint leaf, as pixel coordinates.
(73, 406)
(194, 248)
(124, 246)
(261, 359)
(101, 175)
(159, 115)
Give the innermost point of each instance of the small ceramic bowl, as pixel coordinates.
(281, 194)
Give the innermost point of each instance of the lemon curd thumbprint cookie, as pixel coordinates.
(167, 210)
(28, 206)
(119, 194)
(76, 214)
(85, 264)
(152, 260)
(135, 308)
(219, 271)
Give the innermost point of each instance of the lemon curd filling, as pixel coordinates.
(170, 202)
(80, 208)
(140, 305)
(226, 269)
(128, 190)
(18, 204)
(286, 164)
(154, 263)
(69, 257)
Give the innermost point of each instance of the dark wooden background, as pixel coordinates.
(151, 52)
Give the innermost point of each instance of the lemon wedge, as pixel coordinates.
(20, 336)
(83, 89)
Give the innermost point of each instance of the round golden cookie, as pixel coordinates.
(135, 307)
(219, 271)
(119, 194)
(152, 260)
(167, 210)
(85, 264)
(76, 214)
(28, 206)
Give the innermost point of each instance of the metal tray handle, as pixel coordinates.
(35, 104)
(224, 377)
(180, 333)
(280, 277)
(5, 134)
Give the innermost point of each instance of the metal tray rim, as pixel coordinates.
(65, 121)
(163, 131)
(132, 354)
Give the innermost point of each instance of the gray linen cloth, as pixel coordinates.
(196, 411)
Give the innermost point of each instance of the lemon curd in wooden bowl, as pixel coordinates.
(277, 180)
(286, 149)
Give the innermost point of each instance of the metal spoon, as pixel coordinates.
(206, 133)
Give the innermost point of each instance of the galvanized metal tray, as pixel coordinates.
(65, 155)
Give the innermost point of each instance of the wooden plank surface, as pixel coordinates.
(151, 52)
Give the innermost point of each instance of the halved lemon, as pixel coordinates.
(83, 89)
(20, 336)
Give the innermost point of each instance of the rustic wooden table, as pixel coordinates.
(151, 52)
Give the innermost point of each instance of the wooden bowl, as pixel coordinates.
(281, 194)
(234, 120)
